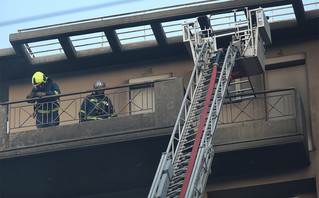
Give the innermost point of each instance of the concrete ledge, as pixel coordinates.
(257, 134)
(7, 53)
(81, 131)
(81, 135)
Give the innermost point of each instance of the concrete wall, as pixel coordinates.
(180, 67)
(310, 48)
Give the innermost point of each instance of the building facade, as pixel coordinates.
(265, 145)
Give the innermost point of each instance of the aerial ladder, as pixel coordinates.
(184, 167)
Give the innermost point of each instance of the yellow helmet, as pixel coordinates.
(38, 78)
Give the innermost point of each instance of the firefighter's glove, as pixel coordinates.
(40, 94)
(98, 108)
(31, 95)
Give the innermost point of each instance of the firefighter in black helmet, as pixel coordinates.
(97, 106)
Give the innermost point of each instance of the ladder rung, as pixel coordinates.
(195, 114)
(186, 148)
(191, 136)
(189, 142)
(176, 177)
(173, 193)
(193, 121)
(180, 174)
(181, 158)
(174, 187)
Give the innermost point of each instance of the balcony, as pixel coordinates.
(142, 107)
(262, 131)
(118, 157)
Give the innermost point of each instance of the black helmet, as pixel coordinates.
(99, 84)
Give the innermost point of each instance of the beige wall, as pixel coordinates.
(117, 75)
(311, 49)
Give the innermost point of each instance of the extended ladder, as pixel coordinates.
(184, 167)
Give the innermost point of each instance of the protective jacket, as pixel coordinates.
(46, 109)
(96, 107)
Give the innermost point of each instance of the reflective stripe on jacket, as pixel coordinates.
(48, 111)
(97, 107)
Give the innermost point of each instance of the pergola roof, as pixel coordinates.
(22, 58)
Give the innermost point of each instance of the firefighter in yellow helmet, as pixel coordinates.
(45, 108)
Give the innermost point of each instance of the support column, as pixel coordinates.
(3, 126)
(4, 85)
(4, 96)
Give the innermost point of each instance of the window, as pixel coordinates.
(142, 98)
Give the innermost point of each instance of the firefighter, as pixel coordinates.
(97, 106)
(45, 109)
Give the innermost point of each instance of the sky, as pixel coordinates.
(21, 14)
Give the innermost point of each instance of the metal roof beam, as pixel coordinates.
(299, 11)
(68, 47)
(21, 49)
(113, 40)
(159, 33)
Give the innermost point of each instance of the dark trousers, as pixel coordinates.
(47, 119)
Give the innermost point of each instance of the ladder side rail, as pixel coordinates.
(193, 38)
(189, 37)
(205, 159)
(252, 42)
(247, 38)
(206, 143)
(170, 148)
(250, 27)
(157, 177)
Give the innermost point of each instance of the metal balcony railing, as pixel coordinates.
(127, 100)
(265, 105)
(139, 98)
